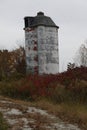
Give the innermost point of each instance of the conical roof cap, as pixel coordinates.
(40, 19)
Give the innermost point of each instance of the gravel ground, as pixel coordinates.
(23, 117)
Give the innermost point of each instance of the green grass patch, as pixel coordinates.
(3, 124)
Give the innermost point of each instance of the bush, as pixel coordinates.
(67, 86)
(76, 93)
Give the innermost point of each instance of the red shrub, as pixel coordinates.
(39, 85)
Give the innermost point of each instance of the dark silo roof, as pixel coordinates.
(38, 20)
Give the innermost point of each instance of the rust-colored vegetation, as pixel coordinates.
(67, 90)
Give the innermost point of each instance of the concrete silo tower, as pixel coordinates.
(41, 45)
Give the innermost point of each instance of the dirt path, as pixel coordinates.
(21, 116)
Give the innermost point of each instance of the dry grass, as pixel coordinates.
(68, 112)
(64, 95)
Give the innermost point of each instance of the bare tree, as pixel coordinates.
(81, 56)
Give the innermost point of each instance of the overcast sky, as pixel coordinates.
(69, 15)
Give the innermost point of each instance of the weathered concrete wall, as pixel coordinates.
(41, 45)
(48, 58)
(31, 50)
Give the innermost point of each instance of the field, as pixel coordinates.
(64, 94)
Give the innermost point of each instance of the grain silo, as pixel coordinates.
(41, 45)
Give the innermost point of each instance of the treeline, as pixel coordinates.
(12, 62)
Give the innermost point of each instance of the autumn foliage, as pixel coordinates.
(67, 86)
(12, 62)
(44, 85)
